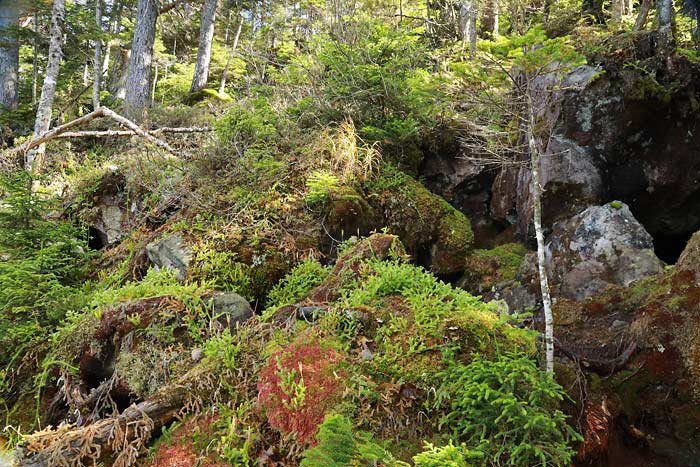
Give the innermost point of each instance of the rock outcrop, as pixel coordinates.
(623, 132)
(643, 406)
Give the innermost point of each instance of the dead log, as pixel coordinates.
(116, 133)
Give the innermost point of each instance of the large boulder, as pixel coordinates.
(600, 246)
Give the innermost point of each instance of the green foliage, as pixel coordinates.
(320, 185)
(340, 446)
(430, 299)
(45, 261)
(296, 284)
(446, 456)
(245, 123)
(507, 409)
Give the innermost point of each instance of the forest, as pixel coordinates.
(350, 233)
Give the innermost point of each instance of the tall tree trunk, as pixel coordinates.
(231, 53)
(617, 7)
(48, 89)
(114, 28)
(35, 60)
(490, 19)
(696, 31)
(138, 83)
(472, 27)
(9, 55)
(119, 73)
(643, 15)
(206, 36)
(665, 14)
(97, 61)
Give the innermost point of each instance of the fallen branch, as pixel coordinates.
(110, 133)
(101, 112)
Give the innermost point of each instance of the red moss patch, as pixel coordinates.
(298, 386)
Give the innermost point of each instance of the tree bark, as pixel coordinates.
(490, 20)
(48, 89)
(206, 36)
(617, 7)
(539, 234)
(643, 15)
(535, 153)
(666, 32)
(138, 89)
(97, 61)
(35, 60)
(231, 53)
(120, 73)
(9, 55)
(472, 27)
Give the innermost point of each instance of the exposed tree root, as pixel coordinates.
(122, 437)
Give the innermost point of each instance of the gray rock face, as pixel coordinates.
(231, 309)
(602, 245)
(111, 218)
(171, 252)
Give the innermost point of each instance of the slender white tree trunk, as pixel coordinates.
(535, 154)
(35, 60)
(231, 53)
(97, 61)
(48, 89)
(472, 27)
(9, 55)
(206, 36)
(138, 83)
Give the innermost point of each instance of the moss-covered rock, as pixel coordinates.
(435, 233)
(485, 269)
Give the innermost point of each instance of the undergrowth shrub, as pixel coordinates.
(42, 264)
(341, 446)
(447, 456)
(508, 409)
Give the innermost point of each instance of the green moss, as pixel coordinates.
(295, 285)
(421, 219)
(486, 268)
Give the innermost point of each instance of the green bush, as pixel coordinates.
(507, 409)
